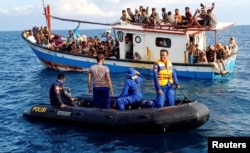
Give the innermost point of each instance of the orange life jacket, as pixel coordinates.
(165, 73)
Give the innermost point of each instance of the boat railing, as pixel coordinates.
(172, 27)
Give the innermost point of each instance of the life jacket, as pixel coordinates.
(165, 73)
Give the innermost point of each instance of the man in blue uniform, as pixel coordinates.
(164, 79)
(58, 97)
(131, 92)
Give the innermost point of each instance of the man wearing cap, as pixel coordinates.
(58, 98)
(131, 92)
(164, 79)
(102, 86)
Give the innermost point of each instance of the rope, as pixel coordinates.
(79, 21)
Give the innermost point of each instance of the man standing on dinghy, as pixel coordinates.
(102, 85)
(164, 79)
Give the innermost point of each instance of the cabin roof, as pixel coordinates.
(169, 29)
(162, 28)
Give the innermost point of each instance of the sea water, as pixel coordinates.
(25, 82)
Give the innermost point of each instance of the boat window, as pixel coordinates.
(120, 35)
(137, 39)
(163, 42)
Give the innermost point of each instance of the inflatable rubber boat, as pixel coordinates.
(185, 115)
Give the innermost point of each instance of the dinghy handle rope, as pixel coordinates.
(185, 97)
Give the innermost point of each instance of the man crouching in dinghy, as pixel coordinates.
(164, 79)
(58, 97)
(131, 92)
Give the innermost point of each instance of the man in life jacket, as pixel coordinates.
(164, 79)
(58, 98)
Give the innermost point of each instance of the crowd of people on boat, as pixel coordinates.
(217, 53)
(75, 43)
(203, 17)
(100, 85)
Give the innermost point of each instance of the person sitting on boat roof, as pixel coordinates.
(125, 17)
(74, 35)
(137, 16)
(144, 16)
(178, 17)
(153, 19)
(210, 20)
(164, 15)
(58, 97)
(170, 18)
(131, 14)
(190, 19)
(202, 13)
(140, 9)
(164, 79)
(131, 92)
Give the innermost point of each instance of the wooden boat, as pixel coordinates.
(144, 42)
(185, 115)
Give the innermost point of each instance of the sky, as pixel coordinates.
(24, 14)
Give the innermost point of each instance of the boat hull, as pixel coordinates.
(186, 116)
(64, 61)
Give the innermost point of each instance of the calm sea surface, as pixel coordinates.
(25, 82)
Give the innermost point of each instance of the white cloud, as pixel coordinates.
(17, 10)
(21, 10)
(4, 12)
(79, 7)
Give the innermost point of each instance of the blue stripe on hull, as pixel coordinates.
(122, 69)
(61, 60)
(194, 75)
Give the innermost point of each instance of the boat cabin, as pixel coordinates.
(148, 42)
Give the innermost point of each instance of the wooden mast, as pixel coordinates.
(47, 17)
